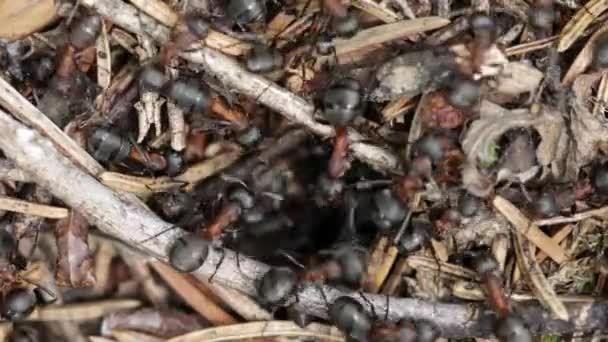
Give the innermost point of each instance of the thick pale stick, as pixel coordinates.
(116, 215)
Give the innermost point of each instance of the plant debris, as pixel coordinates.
(303, 170)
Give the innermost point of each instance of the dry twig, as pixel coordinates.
(117, 216)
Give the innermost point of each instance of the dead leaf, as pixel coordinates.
(517, 78)
(406, 75)
(480, 141)
(160, 323)
(584, 57)
(589, 131)
(75, 263)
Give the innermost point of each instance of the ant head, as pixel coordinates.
(172, 205)
(188, 253)
(250, 136)
(483, 27)
(346, 26)
(512, 329)
(546, 205)
(463, 93)
(276, 286)
(343, 102)
(8, 246)
(328, 187)
(427, 331)
(108, 145)
(599, 178)
(263, 59)
(482, 261)
(189, 95)
(175, 163)
(152, 78)
(325, 44)
(18, 303)
(242, 197)
(39, 68)
(600, 56)
(246, 11)
(352, 266)
(85, 31)
(388, 211)
(542, 17)
(416, 237)
(197, 25)
(468, 204)
(350, 317)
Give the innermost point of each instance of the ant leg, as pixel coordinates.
(323, 295)
(263, 91)
(388, 306)
(371, 305)
(217, 266)
(158, 234)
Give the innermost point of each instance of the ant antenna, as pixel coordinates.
(158, 234)
(371, 305)
(217, 266)
(320, 288)
(293, 260)
(404, 225)
(388, 306)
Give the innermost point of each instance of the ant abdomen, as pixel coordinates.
(188, 253)
(276, 286)
(351, 318)
(18, 303)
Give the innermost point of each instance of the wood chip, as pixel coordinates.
(100, 339)
(202, 170)
(530, 230)
(82, 311)
(29, 208)
(380, 263)
(256, 329)
(133, 336)
(536, 279)
(386, 33)
(137, 184)
(104, 57)
(377, 10)
(157, 10)
(579, 22)
(195, 298)
(418, 262)
(19, 19)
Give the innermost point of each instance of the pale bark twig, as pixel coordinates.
(116, 215)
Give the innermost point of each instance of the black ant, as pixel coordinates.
(17, 301)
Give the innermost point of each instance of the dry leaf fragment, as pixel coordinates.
(588, 131)
(518, 78)
(75, 263)
(579, 22)
(536, 279)
(387, 32)
(249, 330)
(406, 75)
(584, 57)
(160, 323)
(481, 139)
(523, 225)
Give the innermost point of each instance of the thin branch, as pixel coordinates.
(116, 215)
